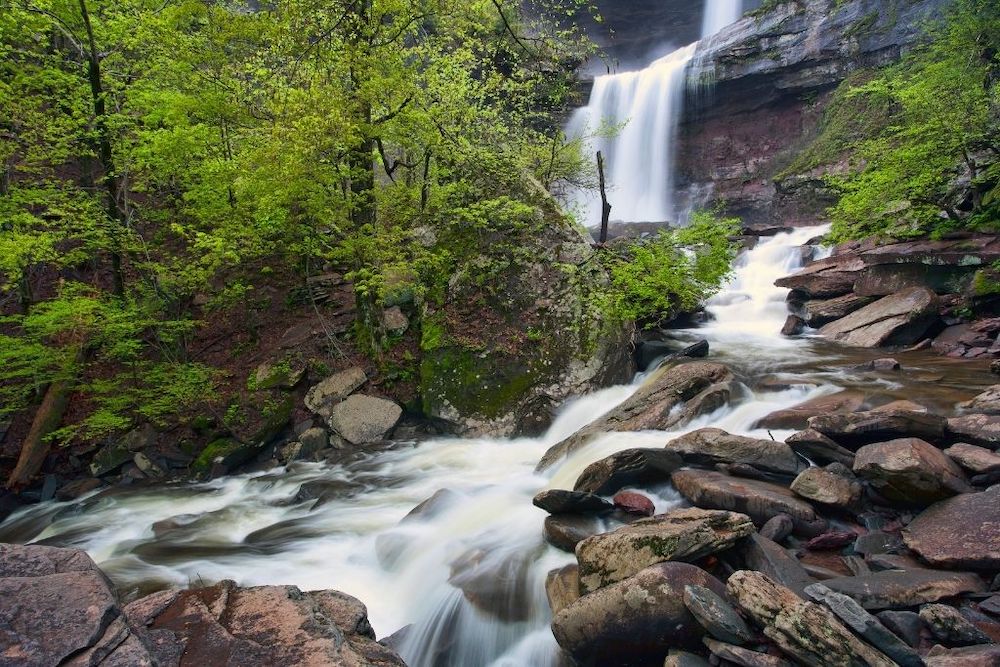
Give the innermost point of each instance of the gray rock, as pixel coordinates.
(116, 454)
(960, 532)
(148, 466)
(763, 555)
(827, 488)
(684, 659)
(900, 319)
(777, 528)
(879, 425)
(742, 656)
(395, 320)
(899, 589)
(904, 624)
(987, 403)
(951, 627)
(636, 620)
(626, 468)
(559, 501)
(974, 459)
(818, 448)
(717, 616)
(361, 419)
(322, 397)
(710, 446)
(978, 429)
(910, 471)
(865, 625)
(820, 312)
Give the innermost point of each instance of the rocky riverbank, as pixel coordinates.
(868, 537)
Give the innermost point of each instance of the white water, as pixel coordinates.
(249, 528)
(718, 14)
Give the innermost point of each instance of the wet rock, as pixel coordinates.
(819, 449)
(951, 627)
(361, 419)
(986, 403)
(670, 397)
(148, 467)
(322, 397)
(681, 535)
(793, 326)
(831, 541)
(983, 430)
(684, 659)
(627, 468)
(77, 488)
(904, 624)
(562, 587)
(797, 416)
(820, 312)
(960, 532)
(898, 589)
(441, 500)
(738, 655)
(763, 555)
(636, 620)
(777, 527)
(828, 488)
(710, 446)
(831, 277)
(969, 656)
(991, 605)
(496, 581)
(878, 542)
(900, 319)
(558, 501)
(910, 471)
(716, 615)
(634, 503)
(760, 500)
(565, 531)
(974, 459)
(861, 428)
(886, 364)
(865, 625)
(804, 630)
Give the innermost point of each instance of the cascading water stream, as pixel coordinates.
(467, 575)
(718, 14)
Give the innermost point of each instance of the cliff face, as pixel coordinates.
(766, 81)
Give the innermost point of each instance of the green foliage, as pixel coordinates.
(931, 166)
(652, 280)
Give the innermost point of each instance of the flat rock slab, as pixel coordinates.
(977, 429)
(862, 428)
(682, 535)
(899, 319)
(899, 589)
(797, 416)
(710, 446)
(766, 556)
(819, 448)
(975, 459)
(559, 501)
(910, 471)
(323, 396)
(717, 616)
(759, 500)
(820, 312)
(963, 532)
(828, 488)
(627, 468)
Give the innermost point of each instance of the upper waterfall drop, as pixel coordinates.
(718, 14)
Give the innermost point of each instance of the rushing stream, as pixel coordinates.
(484, 537)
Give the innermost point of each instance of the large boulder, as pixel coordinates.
(797, 416)
(361, 419)
(819, 448)
(819, 312)
(636, 620)
(323, 396)
(681, 535)
(899, 589)
(828, 488)
(910, 471)
(670, 397)
(977, 429)
(826, 278)
(987, 403)
(959, 533)
(626, 468)
(860, 428)
(804, 630)
(709, 446)
(759, 500)
(900, 319)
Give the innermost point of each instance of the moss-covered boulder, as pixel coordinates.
(230, 452)
(519, 326)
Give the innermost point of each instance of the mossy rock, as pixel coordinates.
(232, 453)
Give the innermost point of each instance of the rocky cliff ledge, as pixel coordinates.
(767, 80)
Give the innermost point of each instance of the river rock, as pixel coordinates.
(565, 531)
(978, 429)
(797, 416)
(496, 581)
(898, 589)
(974, 459)
(819, 449)
(631, 502)
(830, 277)
(710, 446)
(987, 403)
(777, 527)
(760, 500)
(864, 624)
(764, 555)
(716, 615)
(681, 535)
(627, 468)
(677, 658)
(636, 620)
(793, 326)
(558, 501)
(951, 627)
(861, 428)
(323, 396)
(828, 488)
(806, 631)
(737, 655)
(904, 624)
(361, 419)
(562, 587)
(960, 532)
(819, 312)
(967, 656)
(900, 319)
(910, 471)
(670, 397)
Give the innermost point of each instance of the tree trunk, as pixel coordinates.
(605, 206)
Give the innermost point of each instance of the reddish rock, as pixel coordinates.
(832, 540)
(634, 503)
(910, 471)
(959, 533)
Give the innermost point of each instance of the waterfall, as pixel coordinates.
(642, 109)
